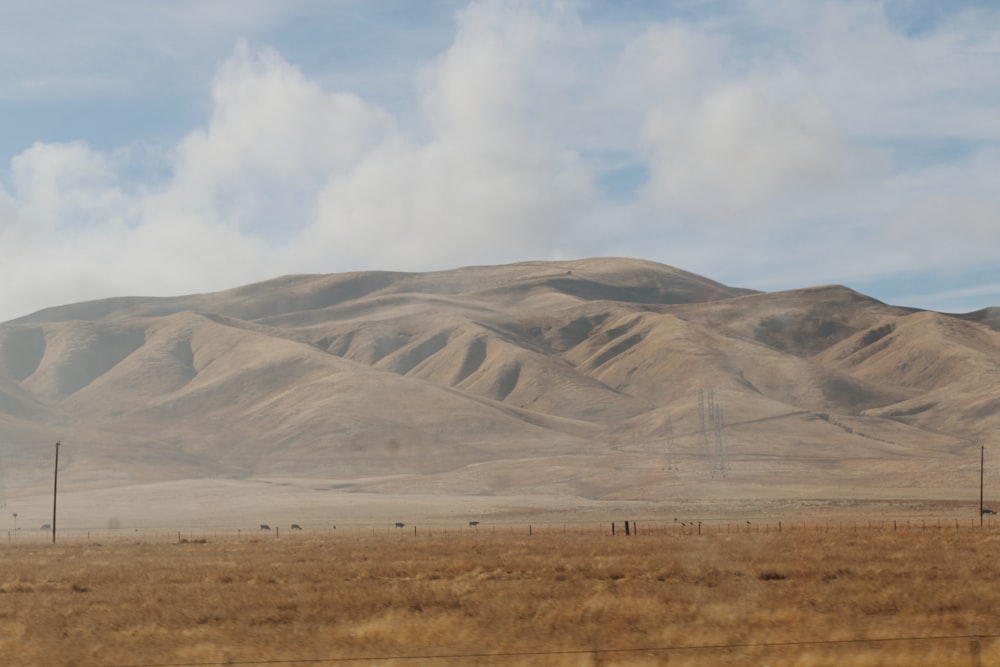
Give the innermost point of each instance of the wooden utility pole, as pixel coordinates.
(55, 487)
(982, 467)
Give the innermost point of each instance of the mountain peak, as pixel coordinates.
(497, 377)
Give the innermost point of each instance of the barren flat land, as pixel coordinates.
(205, 506)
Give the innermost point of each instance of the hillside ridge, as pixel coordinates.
(497, 377)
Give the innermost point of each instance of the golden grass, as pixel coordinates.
(795, 598)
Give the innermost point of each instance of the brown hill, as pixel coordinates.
(599, 378)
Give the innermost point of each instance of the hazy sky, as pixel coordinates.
(158, 148)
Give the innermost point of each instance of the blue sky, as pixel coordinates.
(157, 148)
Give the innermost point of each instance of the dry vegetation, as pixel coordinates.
(554, 598)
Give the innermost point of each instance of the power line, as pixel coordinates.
(591, 651)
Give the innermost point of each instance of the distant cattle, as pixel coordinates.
(473, 523)
(264, 526)
(400, 525)
(46, 526)
(296, 526)
(987, 510)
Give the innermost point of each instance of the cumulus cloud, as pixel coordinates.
(746, 153)
(809, 156)
(287, 176)
(885, 82)
(486, 184)
(273, 138)
(63, 202)
(54, 182)
(770, 146)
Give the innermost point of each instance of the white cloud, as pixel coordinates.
(273, 139)
(421, 207)
(736, 142)
(884, 83)
(289, 177)
(486, 185)
(770, 145)
(746, 154)
(54, 183)
(788, 161)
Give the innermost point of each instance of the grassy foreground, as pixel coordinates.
(796, 598)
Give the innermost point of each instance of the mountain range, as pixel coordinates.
(599, 378)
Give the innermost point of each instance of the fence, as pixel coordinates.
(484, 529)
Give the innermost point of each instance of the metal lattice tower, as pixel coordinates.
(710, 417)
(671, 453)
(702, 428)
(721, 456)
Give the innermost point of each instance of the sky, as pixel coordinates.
(159, 148)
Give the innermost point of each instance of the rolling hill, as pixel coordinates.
(599, 378)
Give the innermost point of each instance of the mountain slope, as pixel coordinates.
(490, 379)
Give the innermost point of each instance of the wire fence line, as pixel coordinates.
(974, 649)
(483, 529)
(431, 530)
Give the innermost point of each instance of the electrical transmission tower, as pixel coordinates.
(671, 452)
(701, 427)
(715, 448)
(721, 456)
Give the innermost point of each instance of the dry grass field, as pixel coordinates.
(805, 596)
